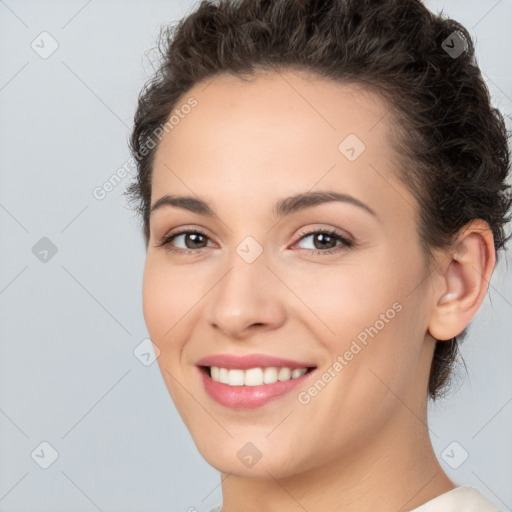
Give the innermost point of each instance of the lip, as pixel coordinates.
(248, 397)
(231, 361)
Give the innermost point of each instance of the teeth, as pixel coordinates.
(254, 376)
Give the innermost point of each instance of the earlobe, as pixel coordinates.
(464, 282)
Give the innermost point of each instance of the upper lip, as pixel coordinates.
(251, 361)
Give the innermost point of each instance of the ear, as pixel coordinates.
(464, 280)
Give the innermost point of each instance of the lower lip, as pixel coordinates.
(248, 397)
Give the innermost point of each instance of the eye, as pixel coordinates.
(193, 240)
(326, 239)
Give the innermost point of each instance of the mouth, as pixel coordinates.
(250, 388)
(257, 376)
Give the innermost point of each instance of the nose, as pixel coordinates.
(247, 298)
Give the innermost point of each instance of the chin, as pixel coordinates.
(246, 459)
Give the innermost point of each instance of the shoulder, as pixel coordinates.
(460, 499)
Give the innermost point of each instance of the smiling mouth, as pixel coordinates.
(256, 376)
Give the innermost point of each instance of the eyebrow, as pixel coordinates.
(282, 208)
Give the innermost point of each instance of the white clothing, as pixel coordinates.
(460, 499)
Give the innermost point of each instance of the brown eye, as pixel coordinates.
(193, 240)
(325, 241)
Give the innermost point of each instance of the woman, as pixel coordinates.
(322, 189)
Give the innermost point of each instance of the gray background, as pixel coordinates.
(69, 325)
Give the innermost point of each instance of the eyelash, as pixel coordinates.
(346, 243)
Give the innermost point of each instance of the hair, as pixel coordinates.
(451, 143)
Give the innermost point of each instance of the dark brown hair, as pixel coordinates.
(452, 142)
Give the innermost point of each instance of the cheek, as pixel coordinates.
(160, 300)
(171, 303)
(344, 298)
(364, 302)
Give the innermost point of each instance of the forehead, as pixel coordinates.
(278, 133)
(290, 101)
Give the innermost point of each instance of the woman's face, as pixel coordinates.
(261, 279)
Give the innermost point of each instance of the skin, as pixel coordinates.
(362, 443)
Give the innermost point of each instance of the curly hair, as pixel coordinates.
(452, 143)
